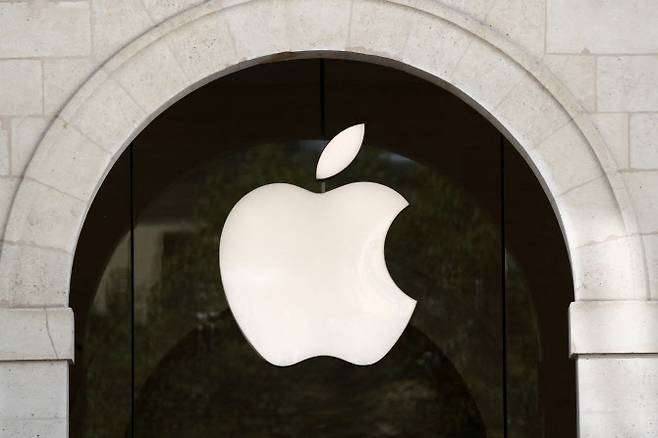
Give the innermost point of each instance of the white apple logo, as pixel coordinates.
(304, 273)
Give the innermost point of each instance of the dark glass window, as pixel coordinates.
(486, 351)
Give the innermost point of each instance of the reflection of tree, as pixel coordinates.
(226, 389)
(442, 250)
(107, 363)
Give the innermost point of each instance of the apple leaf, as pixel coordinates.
(340, 151)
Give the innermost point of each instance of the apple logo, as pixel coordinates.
(304, 273)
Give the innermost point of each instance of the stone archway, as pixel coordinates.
(508, 86)
(139, 82)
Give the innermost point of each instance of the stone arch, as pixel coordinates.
(507, 85)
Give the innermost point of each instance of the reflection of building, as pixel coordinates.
(152, 238)
(573, 88)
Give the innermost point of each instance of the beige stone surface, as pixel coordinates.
(566, 160)
(7, 189)
(595, 26)
(36, 334)
(30, 428)
(485, 76)
(379, 29)
(44, 28)
(33, 276)
(618, 396)
(614, 129)
(36, 390)
(644, 141)
(613, 327)
(68, 162)
(590, 214)
(160, 10)
(531, 114)
(154, 79)
(578, 72)
(521, 21)
(651, 248)
(258, 29)
(474, 8)
(4, 147)
(109, 118)
(643, 189)
(627, 83)
(49, 219)
(61, 77)
(435, 46)
(25, 135)
(609, 270)
(116, 22)
(204, 49)
(21, 87)
(329, 19)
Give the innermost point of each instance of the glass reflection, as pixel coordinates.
(195, 375)
(443, 378)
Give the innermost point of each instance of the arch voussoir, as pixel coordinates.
(216, 38)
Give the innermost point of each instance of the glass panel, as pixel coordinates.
(195, 372)
(196, 375)
(100, 297)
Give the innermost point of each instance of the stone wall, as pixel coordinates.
(603, 55)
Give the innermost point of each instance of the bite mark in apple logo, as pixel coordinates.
(304, 273)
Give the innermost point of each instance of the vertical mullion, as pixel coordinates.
(132, 290)
(503, 279)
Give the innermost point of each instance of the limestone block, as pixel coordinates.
(61, 78)
(378, 28)
(45, 28)
(116, 23)
(643, 189)
(435, 46)
(529, 113)
(609, 270)
(35, 427)
(4, 148)
(590, 214)
(613, 127)
(45, 217)
(36, 389)
(36, 334)
(613, 327)
(477, 9)
(33, 276)
(593, 26)
(578, 73)
(204, 47)
(485, 76)
(69, 162)
(627, 83)
(651, 250)
(21, 87)
(618, 396)
(565, 159)
(110, 117)
(521, 21)
(7, 190)
(153, 78)
(317, 25)
(25, 134)
(258, 29)
(160, 10)
(644, 141)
